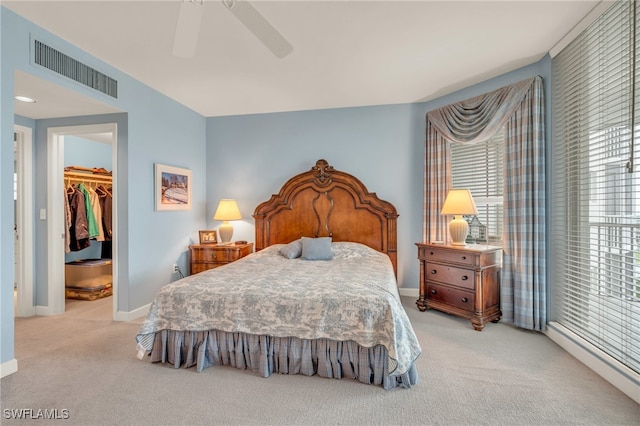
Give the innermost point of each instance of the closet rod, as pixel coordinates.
(86, 177)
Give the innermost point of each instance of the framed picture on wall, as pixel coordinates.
(172, 188)
(208, 237)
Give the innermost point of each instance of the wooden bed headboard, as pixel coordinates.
(324, 202)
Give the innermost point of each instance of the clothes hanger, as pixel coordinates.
(70, 187)
(101, 191)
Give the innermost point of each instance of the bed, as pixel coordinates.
(318, 297)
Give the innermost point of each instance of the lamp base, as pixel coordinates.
(458, 229)
(226, 232)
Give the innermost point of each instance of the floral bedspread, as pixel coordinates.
(354, 297)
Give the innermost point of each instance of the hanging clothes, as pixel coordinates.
(91, 218)
(68, 220)
(106, 204)
(97, 212)
(88, 215)
(79, 230)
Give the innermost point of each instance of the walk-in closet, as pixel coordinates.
(88, 214)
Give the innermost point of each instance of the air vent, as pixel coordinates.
(62, 64)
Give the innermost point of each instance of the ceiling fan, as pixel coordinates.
(190, 19)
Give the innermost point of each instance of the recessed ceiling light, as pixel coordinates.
(25, 99)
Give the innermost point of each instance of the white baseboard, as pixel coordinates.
(413, 292)
(132, 315)
(619, 375)
(8, 367)
(119, 316)
(43, 311)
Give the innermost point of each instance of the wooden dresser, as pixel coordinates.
(461, 280)
(209, 256)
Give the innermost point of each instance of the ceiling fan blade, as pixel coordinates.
(187, 32)
(259, 26)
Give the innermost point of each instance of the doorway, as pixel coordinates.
(23, 223)
(55, 210)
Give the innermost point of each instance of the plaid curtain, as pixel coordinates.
(437, 181)
(523, 290)
(520, 108)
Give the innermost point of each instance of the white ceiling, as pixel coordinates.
(345, 53)
(53, 100)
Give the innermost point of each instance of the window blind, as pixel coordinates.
(479, 168)
(595, 211)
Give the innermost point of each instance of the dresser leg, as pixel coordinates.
(422, 303)
(477, 326)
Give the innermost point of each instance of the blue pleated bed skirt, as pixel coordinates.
(265, 355)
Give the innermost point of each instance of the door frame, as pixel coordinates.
(55, 208)
(24, 221)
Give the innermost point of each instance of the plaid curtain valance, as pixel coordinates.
(478, 119)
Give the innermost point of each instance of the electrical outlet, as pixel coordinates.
(175, 268)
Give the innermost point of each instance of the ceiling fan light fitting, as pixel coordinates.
(229, 3)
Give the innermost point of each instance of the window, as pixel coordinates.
(595, 238)
(479, 168)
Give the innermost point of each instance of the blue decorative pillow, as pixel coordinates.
(292, 250)
(317, 248)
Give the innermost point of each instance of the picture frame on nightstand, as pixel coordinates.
(209, 237)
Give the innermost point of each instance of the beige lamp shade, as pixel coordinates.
(227, 210)
(458, 203)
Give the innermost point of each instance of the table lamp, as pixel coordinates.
(458, 203)
(227, 210)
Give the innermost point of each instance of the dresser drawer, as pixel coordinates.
(434, 254)
(451, 296)
(209, 256)
(213, 255)
(450, 275)
(200, 267)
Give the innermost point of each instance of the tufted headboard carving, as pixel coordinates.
(324, 202)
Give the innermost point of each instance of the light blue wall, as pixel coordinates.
(151, 129)
(376, 144)
(251, 156)
(79, 151)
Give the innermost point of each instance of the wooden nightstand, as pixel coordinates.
(209, 256)
(461, 280)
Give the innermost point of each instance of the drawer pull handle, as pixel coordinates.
(464, 300)
(431, 253)
(433, 292)
(465, 277)
(433, 272)
(464, 257)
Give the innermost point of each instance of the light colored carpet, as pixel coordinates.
(85, 363)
